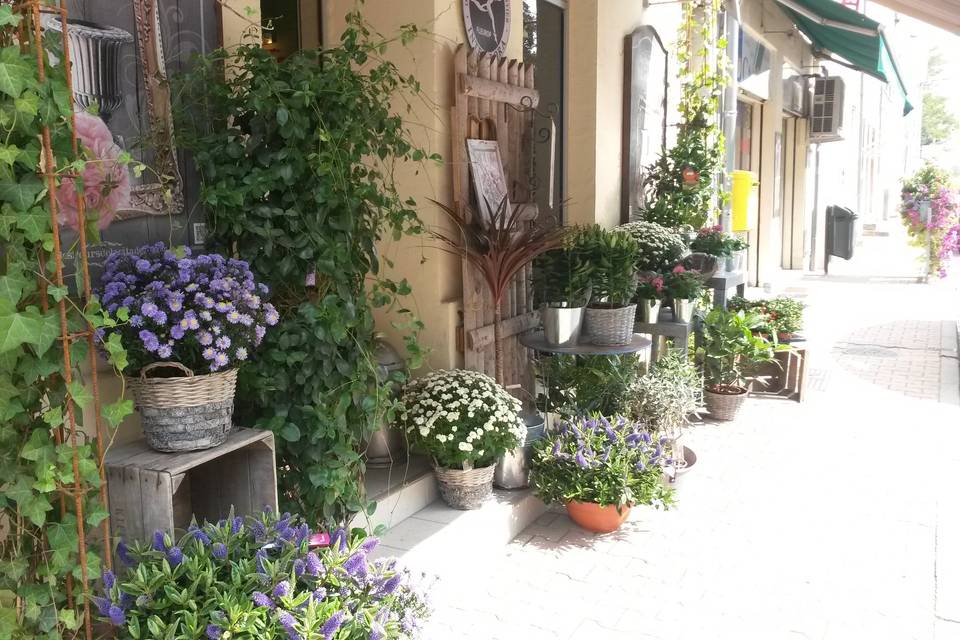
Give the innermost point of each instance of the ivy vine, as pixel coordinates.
(682, 187)
(49, 471)
(297, 166)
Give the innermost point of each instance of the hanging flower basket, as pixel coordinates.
(184, 413)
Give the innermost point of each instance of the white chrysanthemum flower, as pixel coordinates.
(465, 446)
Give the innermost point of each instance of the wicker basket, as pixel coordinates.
(184, 413)
(610, 327)
(465, 488)
(723, 406)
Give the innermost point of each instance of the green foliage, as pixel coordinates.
(613, 255)
(780, 315)
(39, 540)
(660, 247)
(580, 385)
(668, 394)
(670, 199)
(938, 123)
(605, 461)
(732, 347)
(714, 242)
(297, 160)
(562, 276)
(257, 578)
(683, 284)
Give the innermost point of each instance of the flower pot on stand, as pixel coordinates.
(648, 311)
(465, 488)
(593, 517)
(610, 326)
(561, 324)
(724, 403)
(735, 263)
(184, 413)
(683, 309)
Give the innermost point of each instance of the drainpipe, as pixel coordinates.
(732, 32)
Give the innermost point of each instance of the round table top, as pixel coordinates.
(536, 341)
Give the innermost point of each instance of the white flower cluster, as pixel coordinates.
(463, 415)
(660, 247)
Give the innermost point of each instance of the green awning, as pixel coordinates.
(835, 29)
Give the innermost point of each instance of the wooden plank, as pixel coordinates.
(126, 515)
(472, 285)
(485, 112)
(138, 454)
(482, 337)
(497, 90)
(156, 502)
(263, 476)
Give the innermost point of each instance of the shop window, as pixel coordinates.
(290, 26)
(744, 135)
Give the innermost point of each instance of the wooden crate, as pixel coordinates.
(787, 378)
(150, 490)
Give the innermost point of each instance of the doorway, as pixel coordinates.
(291, 26)
(544, 45)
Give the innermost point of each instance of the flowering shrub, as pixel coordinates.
(683, 284)
(664, 398)
(660, 247)
(713, 241)
(105, 177)
(601, 460)
(932, 185)
(205, 311)
(258, 578)
(650, 287)
(780, 315)
(462, 418)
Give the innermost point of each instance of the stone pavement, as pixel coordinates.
(837, 518)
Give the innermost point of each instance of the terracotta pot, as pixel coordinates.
(724, 404)
(593, 517)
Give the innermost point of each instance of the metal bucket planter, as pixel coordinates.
(724, 406)
(561, 325)
(593, 517)
(513, 467)
(184, 413)
(385, 448)
(611, 327)
(683, 309)
(735, 263)
(648, 311)
(465, 488)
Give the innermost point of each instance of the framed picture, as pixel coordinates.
(489, 180)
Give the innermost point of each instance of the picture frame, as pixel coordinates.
(488, 178)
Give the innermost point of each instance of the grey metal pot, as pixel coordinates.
(683, 309)
(387, 446)
(648, 311)
(561, 325)
(513, 467)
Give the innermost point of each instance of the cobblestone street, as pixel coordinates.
(832, 519)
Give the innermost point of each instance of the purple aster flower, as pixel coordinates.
(282, 590)
(355, 562)
(246, 320)
(332, 624)
(219, 551)
(233, 317)
(223, 342)
(262, 600)
(209, 353)
(109, 579)
(174, 556)
(220, 359)
(123, 552)
(103, 605)
(160, 317)
(260, 331)
(117, 617)
(271, 316)
(149, 339)
(164, 351)
(369, 545)
(223, 307)
(159, 543)
(177, 332)
(142, 265)
(136, 321)
(313, 564)
(214, 632)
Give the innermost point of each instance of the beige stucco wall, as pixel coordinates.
(240, 20)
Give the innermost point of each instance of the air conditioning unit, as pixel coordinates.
(796, 95)
(826, 113)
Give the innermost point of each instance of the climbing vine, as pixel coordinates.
(296, 160)
(52, 509)
(682, 187)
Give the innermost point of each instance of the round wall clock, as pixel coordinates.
(488, 24)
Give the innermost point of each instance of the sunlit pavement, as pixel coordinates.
(837, 518)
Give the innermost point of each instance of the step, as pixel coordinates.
(399, 492)
(443, 541)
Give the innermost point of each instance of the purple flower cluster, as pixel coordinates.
(206, 312)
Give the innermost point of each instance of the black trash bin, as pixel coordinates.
(841, 225)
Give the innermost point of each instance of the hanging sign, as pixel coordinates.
(488, 24)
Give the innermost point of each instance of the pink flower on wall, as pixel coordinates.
(106, 181)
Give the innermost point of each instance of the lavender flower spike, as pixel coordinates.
(369, 545)
(117, 617)
(214, 632)
(109, 579)
(282, 590)
(355, 562)
(377, 632)
(332, 624)
(262, 600)
(159, 544)
(313, 564)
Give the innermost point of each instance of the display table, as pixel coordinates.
(150, 490)
(536, 341)
(666, 327)
(721, 283)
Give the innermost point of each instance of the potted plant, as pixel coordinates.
(781, 316)
(611, 312)
(263, 577)
(729, 350)
(727, 247)
(650, 291)
(660, 247)
(599, 468)
(575, 385)
(561, 286)
(464, 421)
(683, 286)
(192, 321)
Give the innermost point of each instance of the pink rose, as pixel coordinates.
(657, 284)
(106, 182)
(679, 269)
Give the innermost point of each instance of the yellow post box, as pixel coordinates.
(742, 213)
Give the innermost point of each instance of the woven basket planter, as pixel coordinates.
(610, 327)
(184, 413)
(465, 489)
(723, 406)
